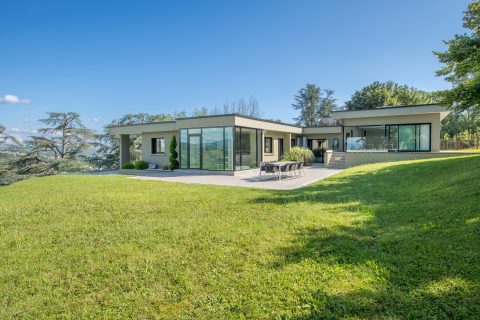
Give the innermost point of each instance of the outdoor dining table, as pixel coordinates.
(280, 165)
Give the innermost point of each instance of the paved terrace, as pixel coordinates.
(249, 180)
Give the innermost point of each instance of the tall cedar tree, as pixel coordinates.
(65, 136)
(314, 107)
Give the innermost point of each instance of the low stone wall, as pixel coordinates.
(358, 158)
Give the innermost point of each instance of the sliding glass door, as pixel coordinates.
(246, 148)
(408, 137)
(213, 149)
(194, 152)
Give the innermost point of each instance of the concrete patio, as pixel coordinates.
(251, 180)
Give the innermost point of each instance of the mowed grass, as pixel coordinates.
(384, 241)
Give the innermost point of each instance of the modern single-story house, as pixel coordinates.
(233, 142)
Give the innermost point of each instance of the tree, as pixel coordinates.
(107, 151)
(248, 108)
(462, 65)
(307, 101)
(453, 125)
(8, 141)
(17, 163)
(201, 112)
(179, 114)
(173, 154)
(313, 105)
(29, 165)
(379, 94)
(327, 105)
(65, 136)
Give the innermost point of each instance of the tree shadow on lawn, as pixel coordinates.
(418, 223)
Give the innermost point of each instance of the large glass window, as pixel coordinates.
(238, 148)
(194, 151)
(183, 149)
(395, 137)
(392, 137)
(246, 149)
(406, 137)
(424, 137)
(228, 148)
(213, 148)
(207, 148)
(249, 147)
(409, 137)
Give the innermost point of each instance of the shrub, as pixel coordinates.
(128, 165)
(318, 152)
(73, 165)
(173, 154)
(299, 154)
(141, 165)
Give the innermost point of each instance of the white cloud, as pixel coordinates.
(95, 120)
(11, 99)
(26, 120)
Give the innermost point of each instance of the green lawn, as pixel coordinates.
(383, 241)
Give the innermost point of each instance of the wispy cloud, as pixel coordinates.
(11, 99)
(95, 120)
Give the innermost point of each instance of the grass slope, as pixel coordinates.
(383, 241)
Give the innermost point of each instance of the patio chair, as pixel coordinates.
(287, 168)
(292, 168)
(389, 145)
(296, 168)
(301, 169)
(270, 168)
(262, 168)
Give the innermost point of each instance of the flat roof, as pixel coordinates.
(209, 116)
(391, 107)
(391, 111)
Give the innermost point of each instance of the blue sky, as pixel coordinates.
(103, 59)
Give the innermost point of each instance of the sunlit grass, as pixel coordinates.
(396, 240)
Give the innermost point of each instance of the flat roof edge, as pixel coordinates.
(392, 107)
(206, 117)
(141, 124)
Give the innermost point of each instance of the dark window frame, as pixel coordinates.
(265, 144)
(154, 144)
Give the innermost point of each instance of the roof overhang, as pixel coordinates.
(322, 130)
(143, 128)
(226, 120)
(391, 111)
